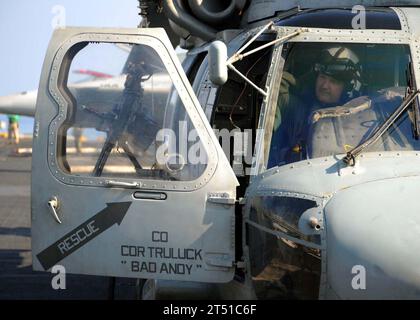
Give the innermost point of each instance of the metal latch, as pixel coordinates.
(219, 260)
(54, 205)
(222, 198)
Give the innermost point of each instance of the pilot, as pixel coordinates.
(337, 75)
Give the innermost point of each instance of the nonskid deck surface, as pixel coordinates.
(17, 279)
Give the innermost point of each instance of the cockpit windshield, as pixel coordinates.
(333, 96)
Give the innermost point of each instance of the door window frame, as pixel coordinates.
(152, 38)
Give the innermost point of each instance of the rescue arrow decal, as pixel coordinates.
(78, 237)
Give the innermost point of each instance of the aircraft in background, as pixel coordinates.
(21, 103)
(24, 103)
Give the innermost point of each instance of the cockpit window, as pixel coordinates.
(341, 18)
(333, 96)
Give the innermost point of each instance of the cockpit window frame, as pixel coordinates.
(321, 35)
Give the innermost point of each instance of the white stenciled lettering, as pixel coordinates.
(79, 236)
(62, 247)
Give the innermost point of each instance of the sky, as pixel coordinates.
(26, 27)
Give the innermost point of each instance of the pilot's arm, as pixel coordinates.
(288, 124)
(287, 81)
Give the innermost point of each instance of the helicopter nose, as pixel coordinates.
(372, 240)
(23, 103)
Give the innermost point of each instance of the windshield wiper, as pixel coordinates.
(350, 158)
(415, 105)
(409, 100)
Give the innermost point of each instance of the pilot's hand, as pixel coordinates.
(287, 81)
(393, 93)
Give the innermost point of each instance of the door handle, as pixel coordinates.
(111, 183)
(149, 195)
(54, 205)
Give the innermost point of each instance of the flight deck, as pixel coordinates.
(17, 279)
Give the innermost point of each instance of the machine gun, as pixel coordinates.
(125, 114)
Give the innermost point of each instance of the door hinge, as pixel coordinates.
(242, 201)
(222, 198)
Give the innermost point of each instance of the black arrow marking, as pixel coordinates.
(88, 230)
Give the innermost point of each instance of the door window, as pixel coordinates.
(125, 118)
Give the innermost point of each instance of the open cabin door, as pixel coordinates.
(128, 177)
